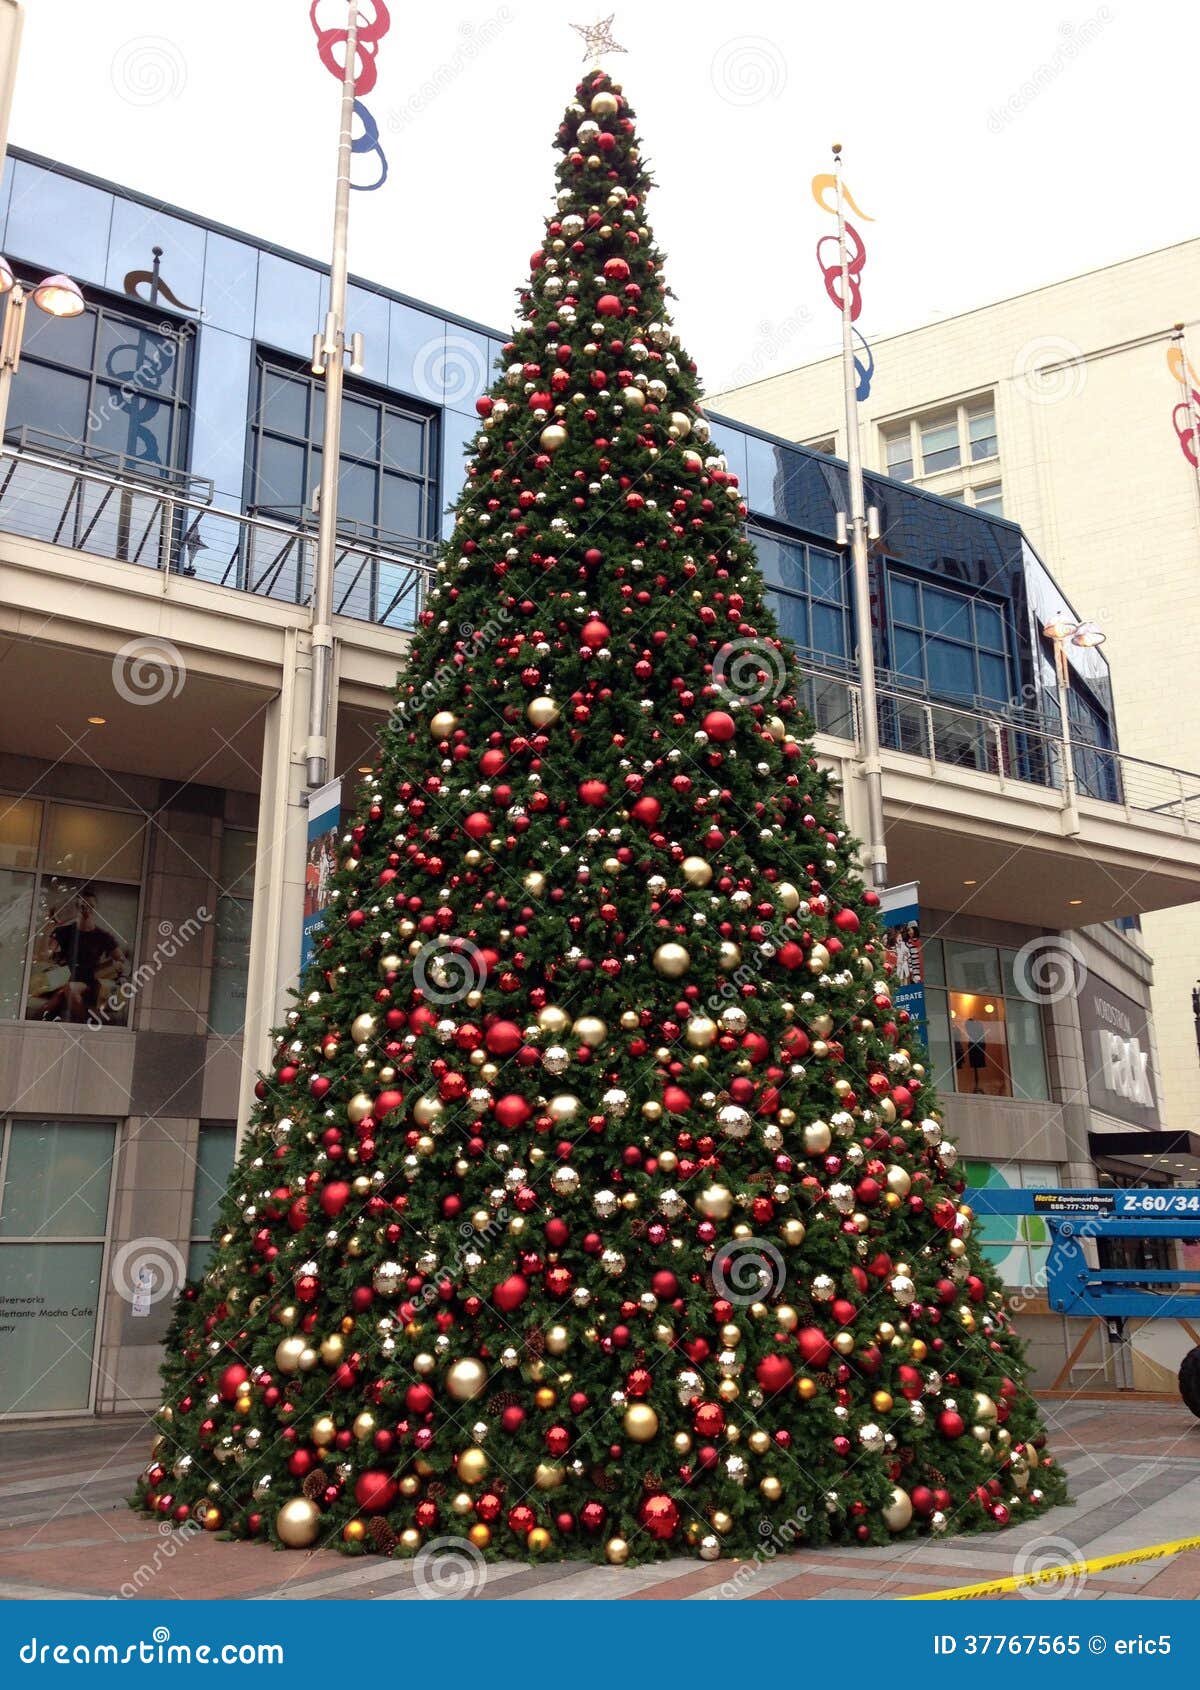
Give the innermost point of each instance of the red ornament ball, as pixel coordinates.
(719, 725)
(660, 1516)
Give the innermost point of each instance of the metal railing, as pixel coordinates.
(171, 524)
(1016, 747)
(165, 525)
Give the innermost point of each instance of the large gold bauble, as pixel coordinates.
(898, 1510)
(472, 1466)
(298, 1522)
(361, 1028)
(542, 711)
(534, 882)
(793, 1233)
(817, 1138)
(818, 959)
(806, 1389)
(333, 1349)
(771, 1488)
(633, 399)
(605, 104)
(701, 1032)
(786, 1318)
(443, 724)
(696, 871)
(354, 1531)
(715, 1201)
(557, 1340)
(553, 1020)
(358, 1108)
(323, 1431)
(672, 960)
(728, 956)
(363, 1426)
(822, 1025)
(480, 1535)
(410, 1540)
(552, 437)
(466, 1378)
(538, 1541)
(616, 1552)
(426, 1110)
(788, 895)
(288, 1352)
(899, 1180)
(563, 1108)
(641, 1422)
(721, 1521)
(590, 1031)
(547, 1476)
(985, 1409)
(882, 1402)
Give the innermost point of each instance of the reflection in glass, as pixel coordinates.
(16, 914)
(82, 953)
(56, 1179)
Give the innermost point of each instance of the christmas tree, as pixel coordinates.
(597, 1203)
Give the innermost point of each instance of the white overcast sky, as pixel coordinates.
(997, 146)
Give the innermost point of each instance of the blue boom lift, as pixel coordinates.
(1118, 1294)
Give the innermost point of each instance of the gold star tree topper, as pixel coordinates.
(598, 39)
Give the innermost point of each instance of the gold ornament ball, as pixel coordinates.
(358, 1108)
(715, 1201)
(759, 1441)
(364, 1426)
(466, 1378)
(985, 1409)
(535, 882)
(548, 1476)
(696, 871)
(641, 1422)
(788, 895)
(333, 1349)
(701, 1032)
(545, 1396)
(426, 1110)
(633, 399)
(410, 1541)
(590, 1031)
(616, 1552)
(563, 1108)
(898, 1510)
(882, 1402)
(843, 1343)
(542, 711)
(472, 1466)
(817, 1138)
(771, 1488)
(538, 1541)
(443, 724)
(720, 1521)
(786, 1318)
(793, 1233)
(899, 1181)
(729, 955)
(410, 1485)
(361, 1028)
(354, 1531)
(557, 1340)
(552, 437)
(605, 104)
(297, 1523)
(553, 1020)
(480, 1535)
(210, 1516)
(288, 1353)
(323, 1431)
(672, 960)
(806, 1389)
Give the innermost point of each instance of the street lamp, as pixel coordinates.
(57, 296)
(1063, 630)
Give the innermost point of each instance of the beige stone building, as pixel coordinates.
(1058, 409)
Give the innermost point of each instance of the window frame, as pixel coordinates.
(809, 654)
(268, 363)
(37, 874)
(7, 1121)
(962, 413)
(195, 1238)
(937, 987)
(977, 648)
(105, 307)
(244, 900)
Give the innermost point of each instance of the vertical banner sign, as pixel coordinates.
(901, 917)
(371, 31)
(324, 826)
(831, 271)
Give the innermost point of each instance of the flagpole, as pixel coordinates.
(876, 848)
(329, 353)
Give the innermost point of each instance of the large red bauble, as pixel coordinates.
(374, 1491)
(334, 1197)
(708, 1419)
(719, 725)
(664, 1284)
(791, 955)
(774, 1373)
(503, 1037)
(511, 1293)
(418, 1399)
(660, 1516)
(814, 1346)
(675, 1100)
(847, 920)
(646, 810)
(923, 1501)
(512, 1111)
(477, 824)
(232, 1380)
(951, 1424)
(608, 305)
(593, 792)
(385, 1103)
(595, 633)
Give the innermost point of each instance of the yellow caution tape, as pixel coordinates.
(1056, 1575)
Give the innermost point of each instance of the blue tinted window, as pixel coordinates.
(950, 668)
(825, 574)
(909, 657)
(905, 607)
(828, 630)
(989, 627)
(946, 613)
(993, 677)
(793, 617)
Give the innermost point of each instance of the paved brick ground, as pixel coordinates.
(64, 1531)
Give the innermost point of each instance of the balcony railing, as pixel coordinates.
(167, 524)
(171, 524)
(1018, 748)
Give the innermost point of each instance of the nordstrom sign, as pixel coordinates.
(1116, 1043)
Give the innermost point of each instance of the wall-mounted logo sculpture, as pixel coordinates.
(330, 42)
(831, 273)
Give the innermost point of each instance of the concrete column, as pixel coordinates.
(279, 867)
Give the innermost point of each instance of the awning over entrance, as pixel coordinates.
(1176, 1154)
